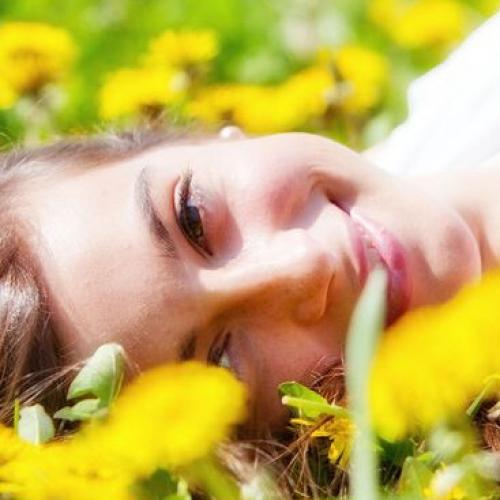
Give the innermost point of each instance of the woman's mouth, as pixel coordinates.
(377, 246)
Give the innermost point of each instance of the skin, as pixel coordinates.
(283, 276)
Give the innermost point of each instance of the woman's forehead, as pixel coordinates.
(212, 150)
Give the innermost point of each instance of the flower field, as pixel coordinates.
(336, 67)
(421, 419)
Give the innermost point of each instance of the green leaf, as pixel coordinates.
(366, 324)
(487, 389)
(101, 376)
(297, 390)
(182, 491)
(209, 475)
(306, 402)
(313, 409)
(83, 410)
(35, 426)
(161, 485)
(396, 453)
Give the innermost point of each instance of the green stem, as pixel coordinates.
(214, 480)
(17, 414)
(366, 324)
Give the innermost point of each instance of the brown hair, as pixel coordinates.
(30, 356)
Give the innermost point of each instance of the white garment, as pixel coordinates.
(454, 111)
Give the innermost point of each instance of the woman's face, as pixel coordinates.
(249, 253)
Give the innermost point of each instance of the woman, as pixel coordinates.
(249, 253)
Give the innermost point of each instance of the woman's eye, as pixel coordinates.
(219, 352)
(225, 361)
(190, 220)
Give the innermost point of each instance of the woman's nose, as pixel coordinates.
(287, 274)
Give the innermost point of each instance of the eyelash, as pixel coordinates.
(186, 210)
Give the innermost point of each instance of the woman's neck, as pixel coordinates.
(475, 195)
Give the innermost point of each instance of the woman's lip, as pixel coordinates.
(392, 256)
(361, 254)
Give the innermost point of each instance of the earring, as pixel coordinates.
(231, 132)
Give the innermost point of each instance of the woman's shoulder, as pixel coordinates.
(453, 111)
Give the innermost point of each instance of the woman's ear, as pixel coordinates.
(231, 132)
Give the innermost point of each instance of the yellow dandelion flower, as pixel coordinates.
(170, 416)
(365, 74)
(431, 22)
(216, 105)
(267, 109)
(385, 13)
(139, 91)
(7, 95)
(52, 471)
(247, 106)
(421, 23)
(183, 48)
(10, 445)
(289, 106)
(340, 431)
(34, 54)
(432, 363)
(311, 90)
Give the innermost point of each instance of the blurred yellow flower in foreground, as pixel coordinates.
(33, 55)
(169, 417)
(11, 446)
(267, 109)
(7, 95)
(183, 48)
(421, 23)
(432, 363)
(50, 471)
(365, 74)
(140, 91)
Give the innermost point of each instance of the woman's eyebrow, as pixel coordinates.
(154, 222)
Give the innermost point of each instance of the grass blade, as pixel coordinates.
(366, 325)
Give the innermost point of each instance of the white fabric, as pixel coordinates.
(454, 111)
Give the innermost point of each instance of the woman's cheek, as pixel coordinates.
(443, 254)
